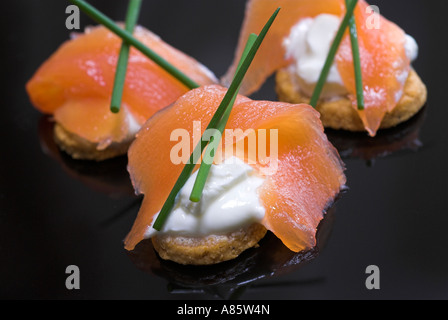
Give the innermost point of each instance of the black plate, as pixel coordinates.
(56, 212)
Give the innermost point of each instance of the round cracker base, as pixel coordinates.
(210, 249)
(82, 149)
(339, 113)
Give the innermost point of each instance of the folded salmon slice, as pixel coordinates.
(75, 83)
(384, 63)
(308, 177)
(385, 66)
(271, 55)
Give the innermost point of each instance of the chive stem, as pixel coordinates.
(100, 18)
(207, 161)
(220, 111)
(122, 64)
(332, 53)
(356, 60)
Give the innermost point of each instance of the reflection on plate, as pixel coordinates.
(229, 279)
(109, 177)
(359, 145)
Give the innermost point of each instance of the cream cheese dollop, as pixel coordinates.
(411, 48)
(133, 125)
(308, 45)
(229, 201)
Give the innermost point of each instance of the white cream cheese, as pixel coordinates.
(308, 45)
(133, 125)
(411, 48)
(229, 202)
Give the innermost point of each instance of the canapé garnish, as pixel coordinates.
(123, 57)
(347, 22)
(127, 36)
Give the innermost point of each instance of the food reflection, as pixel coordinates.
(231, 278)
(404, 137)
(109, 177)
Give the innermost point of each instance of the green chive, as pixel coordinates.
(207, 161)
(356, 60)
(100, 18)
(122, 64)
(188, 169)
(332, 53)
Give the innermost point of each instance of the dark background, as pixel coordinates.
(55, 212)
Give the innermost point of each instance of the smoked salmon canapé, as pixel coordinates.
(274, 170)
(75, 86)
(296, 49)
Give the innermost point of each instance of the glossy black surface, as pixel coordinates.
(56, 212)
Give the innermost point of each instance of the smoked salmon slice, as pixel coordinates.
(308, 177)
(75, 84)
(385, 66)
